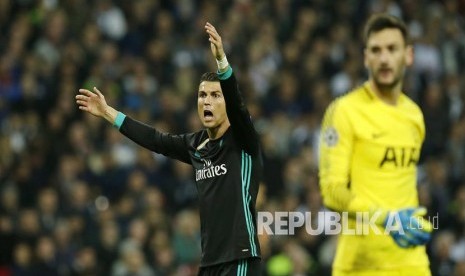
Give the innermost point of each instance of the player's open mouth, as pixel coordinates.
(385, 71)
(207, 114)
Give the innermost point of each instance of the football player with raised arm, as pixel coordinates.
(226, 157)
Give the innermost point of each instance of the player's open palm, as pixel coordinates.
(94, 103)
(216, 44)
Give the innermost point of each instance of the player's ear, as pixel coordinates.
(409, 55)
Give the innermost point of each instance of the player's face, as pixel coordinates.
(386, 56)
(211, 105)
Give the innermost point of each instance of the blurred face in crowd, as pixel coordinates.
(386, 56)
(211, 105)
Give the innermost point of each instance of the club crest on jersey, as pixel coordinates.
(330, 136)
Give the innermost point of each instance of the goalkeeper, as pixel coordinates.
(369, 148)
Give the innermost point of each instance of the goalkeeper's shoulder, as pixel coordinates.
(413, 107)
(358, 95)
(345, 102)
(414, 111)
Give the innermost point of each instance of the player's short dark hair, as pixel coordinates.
(380, 21)
(209, 76)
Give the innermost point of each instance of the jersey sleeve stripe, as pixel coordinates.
(249, 214)
(252, 227)
(246, 169)
(244, 195)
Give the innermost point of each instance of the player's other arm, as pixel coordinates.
(336, 145)
(174, 146)
(238, 115)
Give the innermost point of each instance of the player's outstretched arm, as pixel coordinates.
(95, 104)
(238, 115)
(174, 146)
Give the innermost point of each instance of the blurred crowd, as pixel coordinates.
(78, 198)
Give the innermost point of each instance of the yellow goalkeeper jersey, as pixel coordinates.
(368, 156)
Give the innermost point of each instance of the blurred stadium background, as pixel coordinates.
(77, 198)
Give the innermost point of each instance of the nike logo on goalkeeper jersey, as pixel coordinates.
(378, 135)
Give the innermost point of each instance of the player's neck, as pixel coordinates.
(218, 132)
(388, 95)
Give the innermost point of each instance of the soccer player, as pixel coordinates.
(226, 157)
(369, 149)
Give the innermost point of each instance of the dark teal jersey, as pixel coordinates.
(227, 175)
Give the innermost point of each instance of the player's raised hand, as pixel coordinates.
(92, 102)
(216, 44)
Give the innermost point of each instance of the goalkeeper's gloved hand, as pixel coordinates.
(407, 227)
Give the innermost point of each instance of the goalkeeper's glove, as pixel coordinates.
(408, 228)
